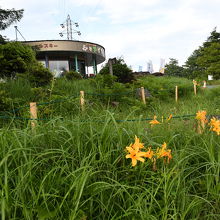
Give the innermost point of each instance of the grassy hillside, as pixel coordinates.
(73, 164)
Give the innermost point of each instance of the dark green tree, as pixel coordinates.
(17, 59)
(205, 60)
(210, 60)
(120, 70)
(8, 17)
(173, 68)
(193, 69)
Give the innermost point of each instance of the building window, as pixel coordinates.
(58, 67)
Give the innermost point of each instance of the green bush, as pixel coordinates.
(72, 75)
(121, 70)
(4, 101)
(15, 58)
(103, 81)
(19, 60)
(38, 75)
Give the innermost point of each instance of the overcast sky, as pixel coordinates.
(138, 30)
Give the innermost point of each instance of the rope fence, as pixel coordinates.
(140, 92)
(117, 120)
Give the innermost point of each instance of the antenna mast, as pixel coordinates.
(69, 31)
(16, 33)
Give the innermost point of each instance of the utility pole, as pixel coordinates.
(111, 61)
(16, 33)
(110, 67)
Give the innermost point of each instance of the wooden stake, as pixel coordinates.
(204, 84)
(200, 127)
(143, 95)
(82, 100)
(33, 113)
(195, 89)
(176, 93)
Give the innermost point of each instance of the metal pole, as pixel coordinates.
(76, 63)
(94, 66)
(16, 34)
(46, 61)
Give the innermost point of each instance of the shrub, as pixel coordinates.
(38, 75)
(102, 81)
(72, 75)
(121, 70)
(15, 58)
(4, 101)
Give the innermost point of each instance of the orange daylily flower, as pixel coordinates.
(164, 152)
(215, 125)
(134, 151)
(137, 145)
(201, 116)
(135, 155)
(169, 118)
(154, 121)
(149, 154)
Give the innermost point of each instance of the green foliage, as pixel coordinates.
(73, 164)
(5, 101)
(121, 70)
(105, 80)
(38, 75)
(173, 69)
(18, 88)
(205, 60)
(7, 17)
(72, 75)
(15, 58)
(164, 87)
(210, 60)
(78, 170)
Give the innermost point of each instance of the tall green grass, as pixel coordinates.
(69, 170)
(73, 165)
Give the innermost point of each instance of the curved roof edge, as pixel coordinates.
(63, 40)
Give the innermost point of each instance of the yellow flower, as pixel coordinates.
(201, 116)
(149, 154)
(164, 152)
(135, 155)
(137, 145)
(215, 125)
(170, 117)
(154, 121)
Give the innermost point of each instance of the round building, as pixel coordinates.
(67, 55)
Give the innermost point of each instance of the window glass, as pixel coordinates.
(58, 67)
